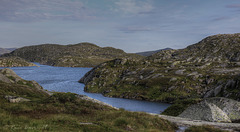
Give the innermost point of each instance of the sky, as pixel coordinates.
(131, 25)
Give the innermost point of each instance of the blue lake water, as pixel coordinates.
(65, 79)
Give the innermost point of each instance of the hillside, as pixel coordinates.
(14, 62)
(149, 53)
(25, 106)
(209, 68)
(77, 55)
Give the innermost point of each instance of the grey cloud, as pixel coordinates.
(150, 12)
(133, 29)
(221, 18)
(233, 6)
(134, 7)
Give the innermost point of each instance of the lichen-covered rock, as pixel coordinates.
(15, 99)
(214, 110)
(228, 106)
(14, 62)
(9, 75)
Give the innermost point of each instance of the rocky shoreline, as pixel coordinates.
(84, 97)
(14, 62)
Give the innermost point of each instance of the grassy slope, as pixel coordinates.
(66, 112)
(204, 129)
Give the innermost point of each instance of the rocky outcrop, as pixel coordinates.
(186, 122)
(229, 89)
(77, 55)
(12, 80)
(84, 97)
(214, 110)
(14, 62)
(15, 99)
(9, 76)
(209, 68)
(89, 75)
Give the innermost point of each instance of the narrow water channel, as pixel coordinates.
(65, 79)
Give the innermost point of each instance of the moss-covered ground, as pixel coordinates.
(65, 112)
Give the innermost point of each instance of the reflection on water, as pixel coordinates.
(65, 79)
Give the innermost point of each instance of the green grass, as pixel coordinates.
(177, 108)
(205, 128)
(66, 112)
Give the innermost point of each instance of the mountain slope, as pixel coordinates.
(207, 69)
(78, 55)
(222, 47)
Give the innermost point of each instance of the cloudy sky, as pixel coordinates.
(131, 25)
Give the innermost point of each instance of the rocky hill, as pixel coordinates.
(77, 55)
(14, 62)
(210, 68)
(218, 48)
(14, 88)
(149, 53)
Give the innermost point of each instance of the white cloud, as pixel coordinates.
(133, 7)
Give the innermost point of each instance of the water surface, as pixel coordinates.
(65, 79)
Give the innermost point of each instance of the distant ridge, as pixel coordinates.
(6, 50)
(74, 55)
(149, 53)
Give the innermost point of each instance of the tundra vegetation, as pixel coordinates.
(74, 55)
(25, 106)
(14, 62)
(209, 68)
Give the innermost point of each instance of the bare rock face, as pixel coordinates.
(214, 110)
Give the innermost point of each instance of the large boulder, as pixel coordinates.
(214, 109)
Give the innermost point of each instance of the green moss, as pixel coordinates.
(65, 112)
(64, 97)
(179, 106)
(11, 78)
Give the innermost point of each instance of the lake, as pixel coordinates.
(65, 79)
